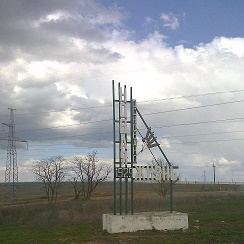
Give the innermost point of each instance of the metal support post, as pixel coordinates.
(170, 165)
(114, 149)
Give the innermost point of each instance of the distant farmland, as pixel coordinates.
(34, 191)
(216, 214)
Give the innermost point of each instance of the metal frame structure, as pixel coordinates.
(125, 157)
(125, 143)
(11, 171)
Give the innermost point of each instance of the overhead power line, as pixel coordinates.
(163, 137)
(63, 126)
(201, 122)
(154, 126)
(157, 126)
(196, 107)
(64, 137)
(171, 143)
(194, 95)
(208, 141)
(204, 134)
(167, 111)
(161, 126)
(139, 102)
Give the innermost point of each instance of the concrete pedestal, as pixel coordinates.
(145, 221)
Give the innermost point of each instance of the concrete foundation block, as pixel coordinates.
(145, 221)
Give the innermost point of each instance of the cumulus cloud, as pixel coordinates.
(57, 64)
(224, 162)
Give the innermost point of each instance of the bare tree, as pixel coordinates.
(51, 172)
(162, 186)
(77, 187)
(89, 173)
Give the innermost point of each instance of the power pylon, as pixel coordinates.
(11, 172)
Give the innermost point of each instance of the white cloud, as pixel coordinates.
(225, 162)
(67, 65)
(170, 20)
(150, 20)
(165, 144)
(55, 16)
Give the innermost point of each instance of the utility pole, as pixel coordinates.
(214, 172)
(11, 171)
(204, 179)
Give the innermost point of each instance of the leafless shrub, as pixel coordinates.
(89, 173)
(51, 172)
(162, 186)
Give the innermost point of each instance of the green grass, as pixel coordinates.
(92, 232)
(54, 234)
(215, 218)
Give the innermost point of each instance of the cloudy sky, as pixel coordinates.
(183, 59)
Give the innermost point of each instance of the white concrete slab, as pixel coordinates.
(145, 221)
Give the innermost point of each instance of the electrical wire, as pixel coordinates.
(153, 113)
(141, 102)
(208, 141)
(154, 126)
(200, 122)
(205, 134)
(195, 95)
(196, 107)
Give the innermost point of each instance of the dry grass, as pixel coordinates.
(34, 211)
(215, 216)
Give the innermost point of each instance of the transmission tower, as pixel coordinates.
(11, 172)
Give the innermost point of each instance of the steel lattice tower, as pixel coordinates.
(11, 172)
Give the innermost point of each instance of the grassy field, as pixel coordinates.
(216, 215)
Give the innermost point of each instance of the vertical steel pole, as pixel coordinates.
(126, 195)
(120, 180)
(171, 188)
(132, 148)
(126, 179)
(171, 195)
(114, 137)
